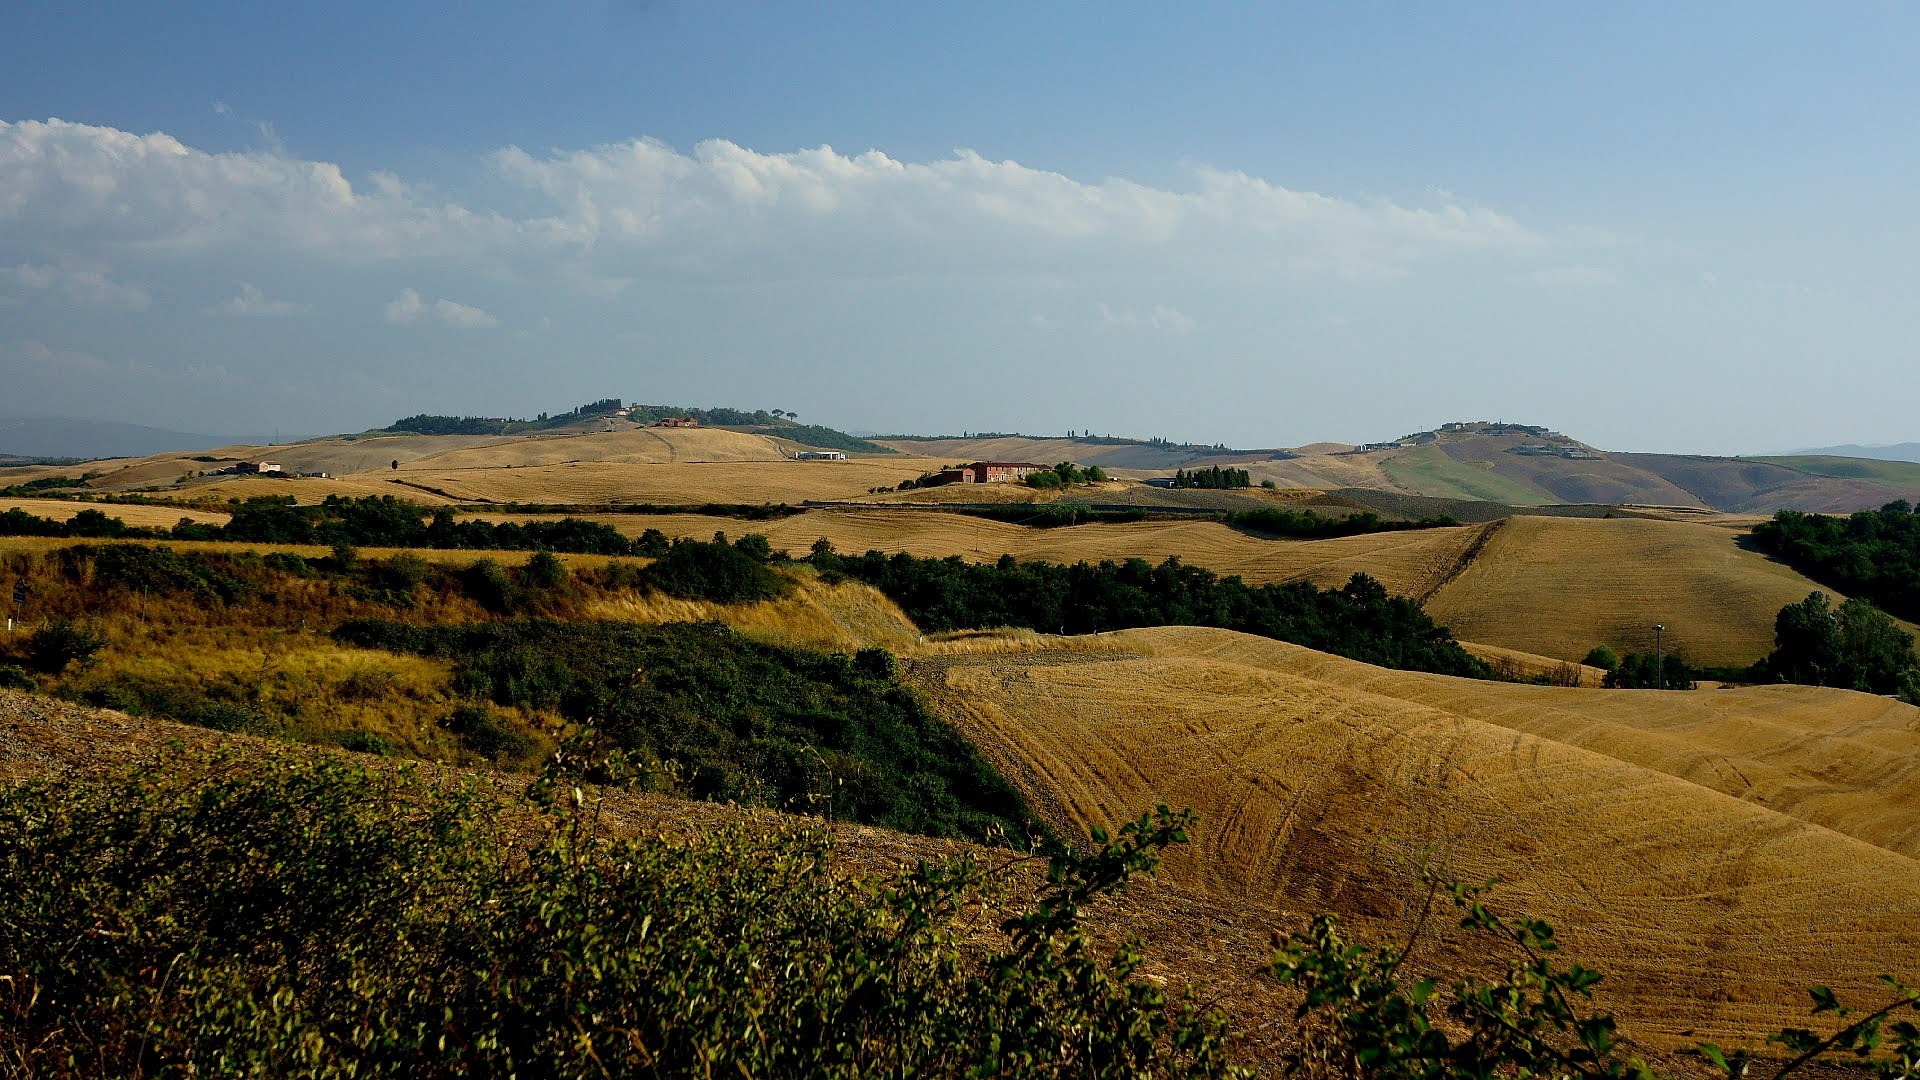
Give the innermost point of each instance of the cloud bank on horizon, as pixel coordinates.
(147, 280)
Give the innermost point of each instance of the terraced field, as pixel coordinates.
(1712, 851)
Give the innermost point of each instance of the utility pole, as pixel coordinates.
(1659, 658)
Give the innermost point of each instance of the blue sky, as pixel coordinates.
(1671, 227)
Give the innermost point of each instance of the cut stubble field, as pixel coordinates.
(1713, 852)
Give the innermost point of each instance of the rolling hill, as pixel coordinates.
(1550, 586)
(1710, 851)
(1517, 465)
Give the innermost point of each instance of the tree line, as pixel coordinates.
(1873, 554)
(1359, 620)
(1212, 477)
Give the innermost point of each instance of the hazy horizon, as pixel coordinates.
(1657, 230)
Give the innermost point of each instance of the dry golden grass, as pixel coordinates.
(841, 617)
(147, 516)
(1514, 665)
(309, 489)
(322, 687)
(1712, 851)
(631, 445)
(1560, 586)
(674, 483)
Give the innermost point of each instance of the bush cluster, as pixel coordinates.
(1855, 646)
(1066, 474)
(717, 715)
(1872, 555)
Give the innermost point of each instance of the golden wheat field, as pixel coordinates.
(1712, 851)
(148, 516)
(1559, 586)
(670, 483)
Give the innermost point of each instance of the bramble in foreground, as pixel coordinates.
(310, 917)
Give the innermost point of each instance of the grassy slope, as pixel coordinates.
(1427, 471)
(1900, 474)
(1686, 845)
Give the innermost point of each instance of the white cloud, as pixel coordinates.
(1159, 317)
(641, 208)
(251, 303)
(409, 307)
(405, 308)
(85, 287)
(461, 315)
(89, 190)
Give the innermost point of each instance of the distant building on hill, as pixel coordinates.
(677, 421)
(1000, 472)
(821, 455)
(260, 468)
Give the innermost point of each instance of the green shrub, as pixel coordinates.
(307, 918)
(364, 742)
(1644, 671)
(487, 733)
(720, 572)
(1602, 657)
(15, 677)
(60, 643)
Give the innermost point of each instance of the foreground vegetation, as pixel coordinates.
(314, 918)
(241, 915)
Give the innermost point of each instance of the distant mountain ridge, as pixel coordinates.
(1906, 451)
(66, 437)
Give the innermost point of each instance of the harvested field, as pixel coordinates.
(149, 516)
(1409, 563)
(1515, 666)
(1560, 586)
(674, 483)
(632, 446)
(1713, 851)
(307, 489)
